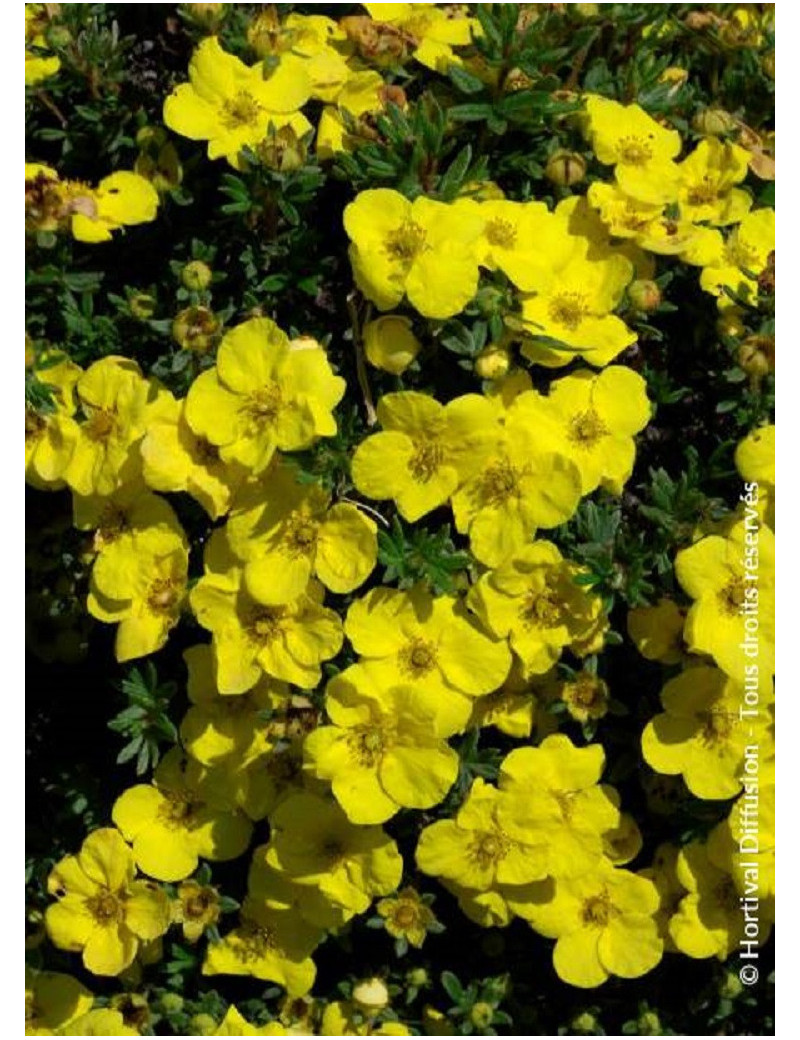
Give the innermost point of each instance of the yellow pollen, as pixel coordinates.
(178, 809)
(163, 595)
(265, 624)
(34, 425)
(425, 461)
(716, 727)
(406, 915)
(241, 110)
(417, 657)
(501, 233)
(541, 608)
(300, 534)
(99, 425)
(105, 907)
(489, 848)
(731, 596)
(265, 403)
(634, 151)
(255, 941)
(725, 894)
(405, 242)
(586, 429)
(568, 308)
(367, 744)
(499, 483)
(598, 910)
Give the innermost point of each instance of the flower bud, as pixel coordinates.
(390, 343)
(493, 362)
(172, 1003)
(713, 122)
(207, 16)
(565, 168)
(585, 1024)
(371, 995)
(644, 295)
(516, 80)
(196, 329)
(418, 978)
(675, 76)
(699, 20)
(649, 1024)
(768, 65)
(731, 985)
(142, 306)
(196, 276)
(756, 356)
(282, 150)
(481, 1014)
(202, 1025)
(151, 138)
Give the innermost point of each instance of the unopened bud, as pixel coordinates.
(481, 1014)
(565, 168)
(493, 362)
(713, 122)
(371, 994)
(196, 275)
(644, 295)
(196, 329)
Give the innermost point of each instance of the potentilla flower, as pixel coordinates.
(178, 819)
(386, 749)
(424, 250)
(407, 916)
(701, 734)
(232, 105)
(657, 631)
(425, 450)
(604, 923)
(264, 394)
(314, 844)
(102, 910)
(285, 531)
(734, 263)
(707, 192)
(411, 638)
(53, 1001)
(195, 909)
(270, 944)
(288, 642)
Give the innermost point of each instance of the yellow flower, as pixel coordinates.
(343, 1019)
(640, 149)
(127, 514)
(735, 262)
(410, 638)
(707, 191)
(709, 921)
(657, 631)
(231, 105)
(221, 726)
(102, 910)
(386, 749)
(425, 450)
(101, 1022)
(390, 343)
(517, 708)
(475, 850)
(272, 888)
(407, 916)
(534, 601)
(113, 398)
(554, 802)
(234, 1024)
(284, 532)
(701, 733)
(586, 696)
(511, 239)
(573, 306)
(314, 844)
(141, 584)
(120, 200)
(50, 436)
(264, 393)
(52, 1001)
(518, 489)
(195, 909)
(312, 38)
(433, 32)
(663, 874)
(175, 459)
(604, 924)
(288, 642)
(174, 821)
(269, 943)
(424, 250)
(755, 461)
(732, 582)
(39, 64)
(743, 844)
(590, 419)
(347, 125)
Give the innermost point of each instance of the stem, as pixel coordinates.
(48, 102)
(361, 367)
(367, 509)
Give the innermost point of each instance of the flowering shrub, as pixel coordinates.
(399, 381)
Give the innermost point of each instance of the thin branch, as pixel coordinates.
(361, 367)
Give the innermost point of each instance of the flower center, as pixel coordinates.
(489, 847)
(405, 242)
(716, 727)
(703, 193)
(100, 425)
(178, 809)
(541, 608)
(725, 894)
(406, 915)
(597, 911)
(105, 907)
(163, 596)
(731, 597)
(198, 904)
(568, 308)
(34, 425)
(265, 624)
(417, 657)
(368, 743)
(586, 691)
(586, 429)
(634, 151)
(499, 483)
(425, 461)
(255, 941)
(501, 233)
(241, 110)
(265, 403)
(300, 536)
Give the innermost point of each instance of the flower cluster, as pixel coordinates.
(445, 562)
